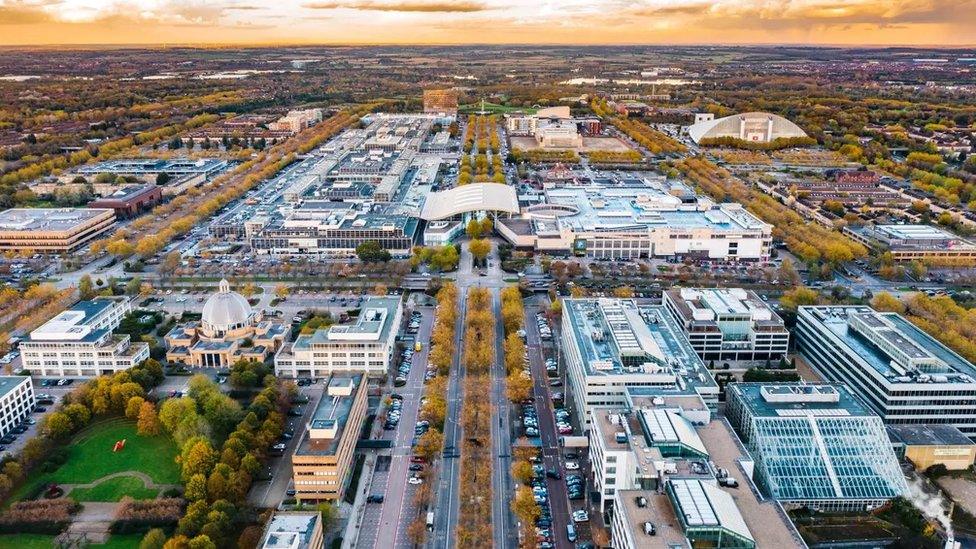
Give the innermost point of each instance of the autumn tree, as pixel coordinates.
(148, 423)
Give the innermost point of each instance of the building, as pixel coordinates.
(79, 342)
(916, 243)
(229, 331)
(610, 345)
(293, 530)
(366, 345)
(52, 230)
(145, 167)
(16, 401)
(130, 200)
(296, 121)
(634, 216)
(322, 461)
(815, 445)
(728, 324)
(441, 102)
(750, 126)
(902, 373)
(928, 445)
(558, 134)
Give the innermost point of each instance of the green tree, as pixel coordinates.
(473, 229)
(86, 290)
(372, 252)
(479, 248)
(196, 488)
(58, 425)
(154, 539)
(133, 407)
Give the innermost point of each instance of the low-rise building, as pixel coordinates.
(79, 342)
(815, 445)
(322, 460)
(129, 200)
(905, 375)
(915, 243)
(293, 530)
(229, 331)
(52, 230)
(16, 401)
(296, 121)
(610, 345)
(928, 445)
(366, 345)
(728, 324)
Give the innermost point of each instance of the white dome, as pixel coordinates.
(226, 310)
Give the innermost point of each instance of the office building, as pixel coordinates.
(130, 200)
(728, 324)
(629, 216)
(293, 530)
(322, 460)
(229, 331)
(916, 243)
(609, 345)
(79, 342)
(815, 445)
(52, 230)
(16, 401)
(296, 121)
(558, 134)
(365, 345)
(928, 445)
(899, 371)
(142, 167)
(751, 126)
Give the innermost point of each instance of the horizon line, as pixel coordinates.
(263, 45)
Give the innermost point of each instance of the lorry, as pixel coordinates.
(574, 442)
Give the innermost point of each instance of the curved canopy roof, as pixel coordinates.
(470, 198)
(751, 126)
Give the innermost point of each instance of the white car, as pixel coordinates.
(572, 466)
(581, 516)
(415, 480)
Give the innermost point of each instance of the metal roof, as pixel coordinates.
(470, 198)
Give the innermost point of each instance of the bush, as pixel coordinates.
(38, 516)
(140, 516)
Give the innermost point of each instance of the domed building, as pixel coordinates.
(229, 330)
(751, 126)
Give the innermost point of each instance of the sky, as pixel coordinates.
(811, 22)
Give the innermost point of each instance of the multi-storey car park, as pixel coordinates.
(79, 342)
(728, 324)
(52, 230)
(815, 445)
(322, 460)
(902, 373)
(635, 216)
(366, 345)
(612, 344)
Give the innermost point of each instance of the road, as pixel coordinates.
(502, 519)
(551, 457)
(398, 509)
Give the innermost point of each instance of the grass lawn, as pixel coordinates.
(40, 541)
(113, 489)
(91, 457)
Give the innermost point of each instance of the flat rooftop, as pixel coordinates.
(715, 304)
(902, 335)
(792, 399)
(48, 219)
(658, 511)
(289, 530)
(619, 337)
(330, 415)
(74, 323)
(175, 166)
(929, 435)
(923, 237)
(9, 383)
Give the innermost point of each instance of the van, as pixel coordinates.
(570, 532)
(417, 347)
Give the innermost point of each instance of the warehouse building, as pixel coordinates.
(815, 445)
(899, 371)
(52, 230)
(728, 324)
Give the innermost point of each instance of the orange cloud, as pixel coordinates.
(417, 7)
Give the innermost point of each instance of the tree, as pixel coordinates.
(885, 302)
(202, 542)
(196, 488)
(198, 458)
(134, 407)
(281, 291)
(519, 387)
(132, 287)
(58, 425)
(522, 472)
(473, 229)
(429, 444)
(86, 289)
(479, 248)
(372, 252)
(154, 539)
(329, 513)
(148, 423)
(249, 290)
(170, 262)
(623, 292)
(798, 297)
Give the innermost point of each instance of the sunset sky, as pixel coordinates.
(868, 22)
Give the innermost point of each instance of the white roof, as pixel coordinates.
(470, 198)
(706, 505)
(730, 126)
(226, 309)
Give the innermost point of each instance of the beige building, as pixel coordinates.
(928, 445)
(229, 331)
(322, 460)
(52, 230)
(296, 121)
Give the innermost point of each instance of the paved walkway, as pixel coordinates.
(147, 481)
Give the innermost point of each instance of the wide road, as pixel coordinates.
(551, 459)
(503, 521)
(398, 506)
(447, 501)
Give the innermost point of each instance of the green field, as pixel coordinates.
(113, 489)
(39, 541)
(494, 108)
(90, 457)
